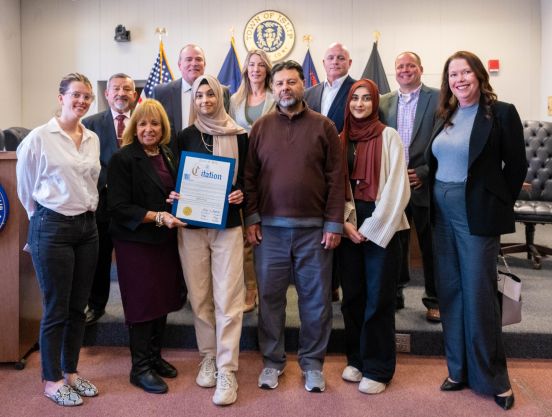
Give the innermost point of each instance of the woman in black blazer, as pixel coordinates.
(140, 177)
(477, 166)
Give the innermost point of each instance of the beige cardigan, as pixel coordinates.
(393, 194)
(237, 110)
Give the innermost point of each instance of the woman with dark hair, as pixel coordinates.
(252, 100)
(58, 165)
(378, 194)
(477, 167)
(139, 178)
(212, 259)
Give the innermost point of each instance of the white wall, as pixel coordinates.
(546, 56)
(61, 36)
(10, 68)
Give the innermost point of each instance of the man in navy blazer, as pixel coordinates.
(121, 96)
(176, 96)
(329, 97)
(411, 110)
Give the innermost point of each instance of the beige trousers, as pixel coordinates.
(212, 261)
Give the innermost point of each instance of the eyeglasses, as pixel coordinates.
(77, 96)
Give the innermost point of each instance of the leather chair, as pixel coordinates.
(534, 204)
(13, 137)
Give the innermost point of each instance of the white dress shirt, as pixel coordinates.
(328, 94)
(51, 170)
(186, 104)
(114, 114)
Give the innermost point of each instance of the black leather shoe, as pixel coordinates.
(164, 368)
(448, 385)
(92, 316)
(506, 402)
(399, 303)
(149, 381)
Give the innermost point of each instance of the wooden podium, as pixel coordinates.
(20, 301)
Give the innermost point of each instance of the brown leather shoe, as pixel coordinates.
(433, 315)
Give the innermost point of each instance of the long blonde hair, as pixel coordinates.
(245, 87)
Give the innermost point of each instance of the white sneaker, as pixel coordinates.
(207, 369)
(369, 386)
(227, 388)
(351, 374)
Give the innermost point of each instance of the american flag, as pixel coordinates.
(159, 74)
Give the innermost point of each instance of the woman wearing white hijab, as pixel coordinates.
(212, 259)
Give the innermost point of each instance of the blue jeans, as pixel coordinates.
(64, 250)
(465, 267)
(285, 253)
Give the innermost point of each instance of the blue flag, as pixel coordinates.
(311, 77)
(159, 74)
(230, 74)
(375, 72)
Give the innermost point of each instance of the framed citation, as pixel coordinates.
(204, 182)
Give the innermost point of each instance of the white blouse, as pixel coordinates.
(51, 170)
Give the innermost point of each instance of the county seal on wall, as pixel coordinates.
(272, 32)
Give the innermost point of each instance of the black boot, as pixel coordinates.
(142, 374)
(160, 365)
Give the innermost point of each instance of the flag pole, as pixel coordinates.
(308, 39)
(233, 43)
(161, 31)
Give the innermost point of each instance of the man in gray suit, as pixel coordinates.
(329, 96)
(176, 96)
(411, 110)
(121, 95)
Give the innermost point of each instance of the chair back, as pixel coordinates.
(13, 137)
(538, 149)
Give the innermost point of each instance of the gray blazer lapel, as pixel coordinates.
(423, 102)
(393, 108)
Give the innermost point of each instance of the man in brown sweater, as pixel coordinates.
(295, 200)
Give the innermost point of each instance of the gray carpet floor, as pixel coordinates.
(532, 338)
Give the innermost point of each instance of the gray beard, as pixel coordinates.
(287, 103)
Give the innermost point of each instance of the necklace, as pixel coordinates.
(354, 148)
(152, 153)
(207, 146)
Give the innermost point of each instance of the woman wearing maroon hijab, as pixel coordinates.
(374, 212)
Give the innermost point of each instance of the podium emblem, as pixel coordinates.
(4, 207)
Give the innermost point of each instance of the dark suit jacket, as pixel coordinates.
(133, 189)
(170, 96)
(102, 124)
(424, 121)
(496, 169)
(313, 97)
